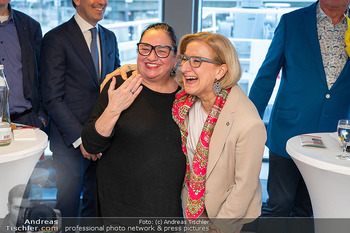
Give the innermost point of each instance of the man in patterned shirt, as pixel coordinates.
(313, 95)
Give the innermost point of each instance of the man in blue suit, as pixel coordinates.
(20, 38)
(313, 95)
(70, 84)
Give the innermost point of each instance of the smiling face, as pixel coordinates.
(199, 81)
(91, 10)
(152, 67)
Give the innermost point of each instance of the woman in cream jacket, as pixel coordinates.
(222, 133)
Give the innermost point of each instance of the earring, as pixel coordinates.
(173, 72)
(217, 88)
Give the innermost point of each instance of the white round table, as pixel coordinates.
(327, 179)
(17, 161)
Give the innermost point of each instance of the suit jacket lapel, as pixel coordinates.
(76, 37)
(103, 40)
(311, 29)
(221, 130)
(22, 32)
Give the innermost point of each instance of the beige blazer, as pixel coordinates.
(233, 189)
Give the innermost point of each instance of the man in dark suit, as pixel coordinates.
(70, 80)
(20, 38)
(313, 94)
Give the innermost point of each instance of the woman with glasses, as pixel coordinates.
(223, 136)
(141, 169)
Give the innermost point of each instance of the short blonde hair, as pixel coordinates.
(223, 52)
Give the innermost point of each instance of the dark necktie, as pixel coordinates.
(94, 50)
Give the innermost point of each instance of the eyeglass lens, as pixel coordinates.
(162, 51)
(195, 62)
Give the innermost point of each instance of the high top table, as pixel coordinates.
(327, 179)
(17, 161)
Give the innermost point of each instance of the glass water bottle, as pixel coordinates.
(5, 121)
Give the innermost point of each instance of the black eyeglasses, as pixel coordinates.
(194, 61)
(161, 51)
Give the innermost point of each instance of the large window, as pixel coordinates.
(127, 18)
(250, 25)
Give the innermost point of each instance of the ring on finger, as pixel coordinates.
(132, 91)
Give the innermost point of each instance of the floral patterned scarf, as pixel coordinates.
(195, 177)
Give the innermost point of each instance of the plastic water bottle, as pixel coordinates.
(5, 121)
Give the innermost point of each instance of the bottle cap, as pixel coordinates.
(1, 67)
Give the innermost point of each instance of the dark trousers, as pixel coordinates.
(75, 176)
(288, 198)
(288, 195)
(89, 189)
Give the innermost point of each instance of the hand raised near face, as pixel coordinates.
(121, 98)
(120, 71)
(118, 100)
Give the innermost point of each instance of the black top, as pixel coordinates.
(142, 168)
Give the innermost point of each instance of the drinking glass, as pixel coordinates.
(344, 136)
